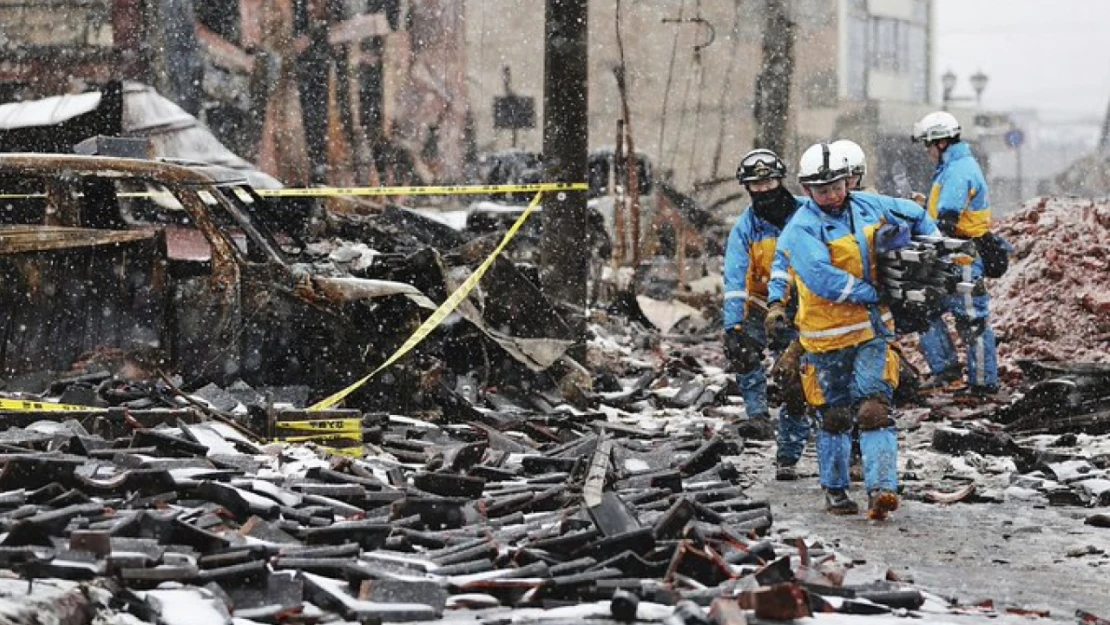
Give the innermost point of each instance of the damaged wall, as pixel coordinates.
(313, 90)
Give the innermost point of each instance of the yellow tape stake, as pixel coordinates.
(437, 317)
(23, 405)
(321, 425)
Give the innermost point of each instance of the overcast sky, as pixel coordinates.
(1052, 55)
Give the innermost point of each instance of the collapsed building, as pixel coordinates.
(290, 84)
(188, 323)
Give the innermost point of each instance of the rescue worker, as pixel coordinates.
(853, 154)
(748, 258)
(960, 203)
(849, 370)
(857, 163)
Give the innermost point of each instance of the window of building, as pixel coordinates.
(887, 45)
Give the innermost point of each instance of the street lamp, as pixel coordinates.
(948, 82)
(978, 83)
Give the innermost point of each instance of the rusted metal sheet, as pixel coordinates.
(21, 239)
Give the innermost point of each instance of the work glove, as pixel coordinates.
(788, 364)
(892, 236)
(919, 198)
(933, 303)
(743, 352)
(786, 373)
(777, 325)
(946, 223)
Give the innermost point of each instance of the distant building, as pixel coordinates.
(863, 71)
(392, 91)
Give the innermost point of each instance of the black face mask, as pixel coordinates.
(775, 206)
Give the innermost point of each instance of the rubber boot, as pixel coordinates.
(880, 503)
(785, 473)
(838, 502)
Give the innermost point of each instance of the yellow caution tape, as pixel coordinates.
(350, 452)
(336, 436)
(485, 189)
(437, 317)
(24, 405)
(321, 425)
(427, 190)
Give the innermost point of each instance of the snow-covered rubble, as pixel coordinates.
(1054, 302)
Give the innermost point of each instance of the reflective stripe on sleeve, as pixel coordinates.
(847, 289)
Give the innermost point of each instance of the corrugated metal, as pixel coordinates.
(177, 134)
(172, 132)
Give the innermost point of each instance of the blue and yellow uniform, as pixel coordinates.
(960, 202)
(748, 259)
(748, 271)
(845, 330)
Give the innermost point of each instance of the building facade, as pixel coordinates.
(863, 70)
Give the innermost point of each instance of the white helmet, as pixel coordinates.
(936, 126)
(820, 164)
(857, 162)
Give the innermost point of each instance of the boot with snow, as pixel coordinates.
(838, 502)
(978, 392)
(943, 380)
(757, 428)
(880, 503)
(785, 473)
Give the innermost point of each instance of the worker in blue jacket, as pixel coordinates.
(748, 258)
(960, 203)
(849, 370)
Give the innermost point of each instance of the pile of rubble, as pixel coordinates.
(635, 505)
(1053, 304)
(163, 509)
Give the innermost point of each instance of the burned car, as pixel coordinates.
(185, 263)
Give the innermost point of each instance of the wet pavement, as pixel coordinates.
(1013, 553)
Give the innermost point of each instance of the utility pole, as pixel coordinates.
(1104, 136)
(772, 87)
(631, 180)
(563, 249)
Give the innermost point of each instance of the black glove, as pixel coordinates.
(934, 301)
(743, 352)
(946, 223)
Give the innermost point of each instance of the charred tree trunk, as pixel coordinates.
(564, 249)
(772, 87)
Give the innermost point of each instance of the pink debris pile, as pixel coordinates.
(1054, 302)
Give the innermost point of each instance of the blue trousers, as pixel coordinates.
(842, 379)
(793, 430)
(973, 325)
